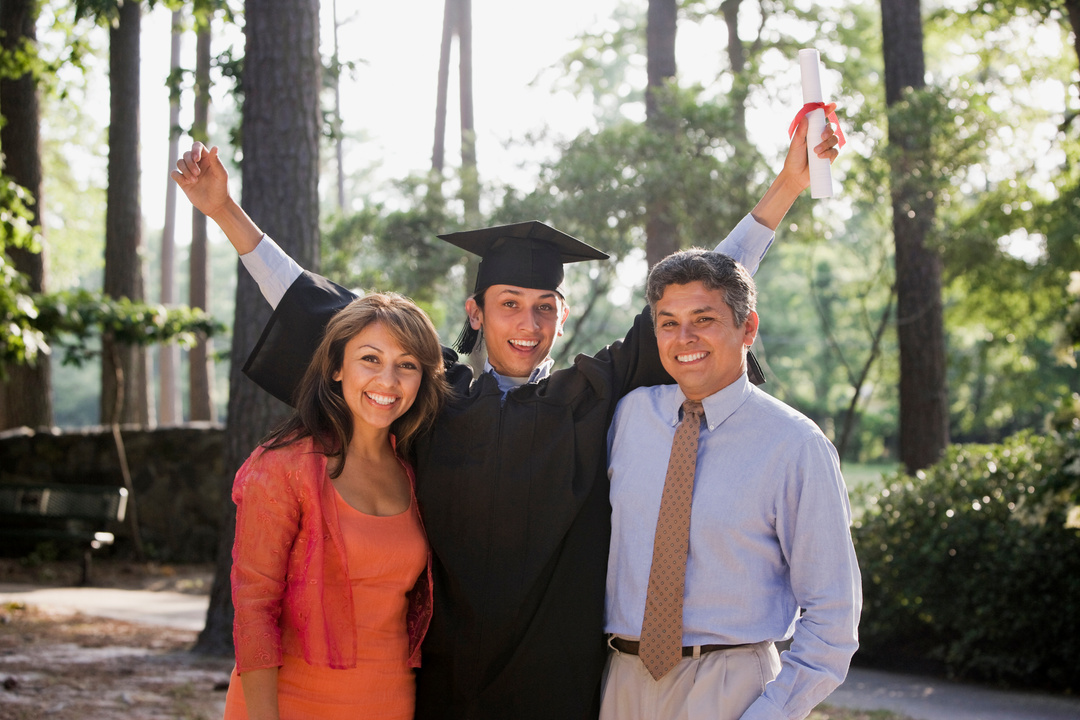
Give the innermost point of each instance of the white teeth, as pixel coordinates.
(525, 343)
(381, 399)
(691, 357)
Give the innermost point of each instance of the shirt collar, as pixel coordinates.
(506, 383)
(718, 407)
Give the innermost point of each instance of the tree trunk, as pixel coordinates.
(438, 150)
(470, 177)
(457, 20)
(25, 399)
(169, 405)
(1072, 12)
(924, 407)
(660, 231)
(742, 191)
(200, 364)
(736, 52)
(280, 127)
(470, 174)
(123, 218)
(339, 141)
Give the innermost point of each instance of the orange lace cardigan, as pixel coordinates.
(290, 584)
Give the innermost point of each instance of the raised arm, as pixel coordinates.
(795, 175)
(751, 239)
(205, 181)
(303, 302)
(635, 361)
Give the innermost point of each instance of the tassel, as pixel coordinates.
(467, 339)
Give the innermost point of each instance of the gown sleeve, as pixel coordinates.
(288, 342)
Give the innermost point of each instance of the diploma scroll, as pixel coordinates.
(820, 170)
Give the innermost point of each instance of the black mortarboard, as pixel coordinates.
(529, 254)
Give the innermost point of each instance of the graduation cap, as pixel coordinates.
(529, 255)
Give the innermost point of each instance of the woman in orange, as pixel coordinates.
(331, 575)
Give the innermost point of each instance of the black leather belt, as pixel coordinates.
(630, 647)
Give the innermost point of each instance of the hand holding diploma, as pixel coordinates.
(815, 110)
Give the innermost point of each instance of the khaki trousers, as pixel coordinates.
(719, 685)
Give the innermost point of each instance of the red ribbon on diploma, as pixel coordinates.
(809, 107)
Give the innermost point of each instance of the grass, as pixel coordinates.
(866, 475)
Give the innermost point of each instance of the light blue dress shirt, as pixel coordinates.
(769, 534)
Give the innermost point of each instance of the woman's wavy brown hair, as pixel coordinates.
(321, 411)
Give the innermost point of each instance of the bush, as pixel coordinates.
(973, 566)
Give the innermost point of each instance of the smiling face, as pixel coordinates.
(700, 344)
(379, 378)
(520, 326)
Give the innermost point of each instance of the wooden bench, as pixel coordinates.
(76, 514)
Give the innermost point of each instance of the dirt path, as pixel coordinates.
(65, 666)
(60, 665)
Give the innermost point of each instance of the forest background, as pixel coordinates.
(557, 121)
(935, 300)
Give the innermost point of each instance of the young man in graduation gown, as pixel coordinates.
(512, 476)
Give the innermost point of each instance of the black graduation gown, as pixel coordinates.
(514, 494)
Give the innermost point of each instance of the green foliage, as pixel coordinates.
(16, 229)
(603, 179)
(107, 12)
(398, 251)
(975, 563)
(1005, 221)
(605, 63)
(70, 320)
(30, 323)
(821, 305)
(19, 60)
(44, 64)
(1068, 342)
(937, 134)
(204, 11)
(20, 340)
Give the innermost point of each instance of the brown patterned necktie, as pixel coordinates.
(661, 631)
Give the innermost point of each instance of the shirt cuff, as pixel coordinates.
(748, 243)
(272, 269)
(764, 709)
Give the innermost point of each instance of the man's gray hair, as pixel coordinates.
(714, 270)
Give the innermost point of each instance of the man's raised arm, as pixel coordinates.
(753, 236)
(205, 181)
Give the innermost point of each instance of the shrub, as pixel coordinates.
(974, 564)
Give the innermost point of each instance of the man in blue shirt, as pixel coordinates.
(770, 554)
